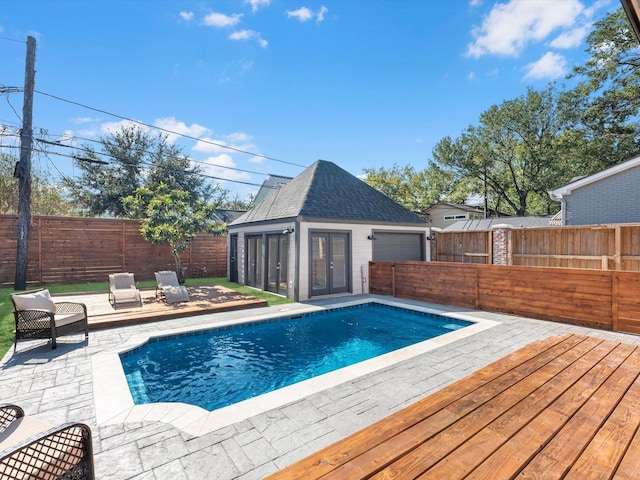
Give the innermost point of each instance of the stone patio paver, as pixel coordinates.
(56, 386)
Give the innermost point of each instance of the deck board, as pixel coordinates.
(203, 299)
(562, 407)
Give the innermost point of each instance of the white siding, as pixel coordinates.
(299, 261)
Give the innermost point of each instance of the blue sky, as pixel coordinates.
(362, 83)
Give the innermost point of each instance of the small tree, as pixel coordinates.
(171, 217)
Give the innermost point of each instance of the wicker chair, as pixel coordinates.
(37, 316)
(32, 449)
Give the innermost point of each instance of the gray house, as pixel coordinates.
(316, 234)
(609, 196)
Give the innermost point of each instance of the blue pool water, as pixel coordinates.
(219, 367)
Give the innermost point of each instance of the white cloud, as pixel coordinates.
(256, 4)
(249, 35)
(83, 120)
(219, 166)
(303, 14)
(320, 14)
(115, 127)
(180, 128)
(188, 16)
(509, 27)
(220, 20)
(549, 67)
(572, 38)
(237, 141)
(475, 3)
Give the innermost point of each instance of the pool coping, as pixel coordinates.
(114, 403)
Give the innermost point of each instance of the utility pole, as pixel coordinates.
(23, 167)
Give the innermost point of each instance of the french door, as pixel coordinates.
(277, 263)
(233, 257)
(330, 263)
(254, 261)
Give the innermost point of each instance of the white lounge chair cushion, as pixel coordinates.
(67, 318)
(35, 301)
(175, 294)
(21, 429)
(126, 294)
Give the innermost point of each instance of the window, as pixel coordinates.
(455, 217)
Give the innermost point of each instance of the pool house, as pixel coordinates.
(315, 235)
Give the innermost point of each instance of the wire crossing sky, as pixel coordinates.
(255, 87)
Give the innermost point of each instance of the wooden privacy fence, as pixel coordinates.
(608, 300)
(599, 247)
(63, 250)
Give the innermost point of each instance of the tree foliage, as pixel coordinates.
(171, 217)
(136, 159)
(46, 198)
(606, 100)
(512, 155)
(414, 190)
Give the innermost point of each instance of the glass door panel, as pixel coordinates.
(254, 261)
(277, 254)
(319, 264)
(283, 281)
(339, 279)
(273, 265)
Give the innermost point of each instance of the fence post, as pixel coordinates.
(617, 241)
(501, 244)
(393, 279)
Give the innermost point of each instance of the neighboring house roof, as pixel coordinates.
(325, 191)
(488, 223)
(464, 207)
(271, 183)
(565, 190)
(227, 216)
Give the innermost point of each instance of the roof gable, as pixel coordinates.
(565, 190)
(326, 191)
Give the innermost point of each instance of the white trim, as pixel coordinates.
(565, 190)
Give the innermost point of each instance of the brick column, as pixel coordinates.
(501, 248)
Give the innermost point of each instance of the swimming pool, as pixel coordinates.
(113, 400)
(220, 367)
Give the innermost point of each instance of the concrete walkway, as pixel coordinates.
(57, 386)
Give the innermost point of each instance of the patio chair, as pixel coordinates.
(123, 290)
(37, 316)
(35, 450)
(169, 288)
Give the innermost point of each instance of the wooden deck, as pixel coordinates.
(561, 408)
(203, 299)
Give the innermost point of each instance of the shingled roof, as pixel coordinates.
(325, 191)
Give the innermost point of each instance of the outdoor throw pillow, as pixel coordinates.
(40, 300)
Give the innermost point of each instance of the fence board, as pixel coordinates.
(601, 247)
(594, 298)
(64, 250)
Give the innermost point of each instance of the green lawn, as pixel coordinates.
(6, 308)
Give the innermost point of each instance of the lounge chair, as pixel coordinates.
(37, 316)
(169, 287)
(33, 449)
(122, 290)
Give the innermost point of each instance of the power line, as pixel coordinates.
(171, 132)
(146, 164)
